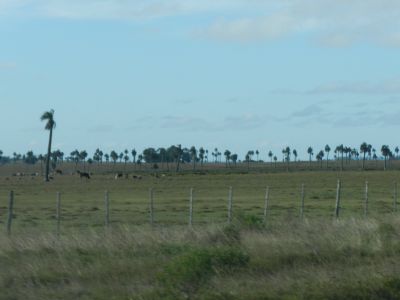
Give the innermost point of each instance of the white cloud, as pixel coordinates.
(332, 23)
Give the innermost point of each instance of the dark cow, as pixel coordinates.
(83, 175)
(58, 171)
(118, 175)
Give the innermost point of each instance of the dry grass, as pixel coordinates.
(347, 259)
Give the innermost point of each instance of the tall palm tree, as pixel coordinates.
(310, 153)
(227, 154)
(193, 156)
(270, 155)
(327, 150)
(386, 153)
(48, 116)
(295, 154)
(364, 150)
(340, 149)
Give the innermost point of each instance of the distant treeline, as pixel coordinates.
(178, 154)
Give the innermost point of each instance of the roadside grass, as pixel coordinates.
(353, 258)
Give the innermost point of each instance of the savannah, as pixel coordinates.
(199, 149)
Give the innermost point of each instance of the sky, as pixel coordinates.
(233, 74)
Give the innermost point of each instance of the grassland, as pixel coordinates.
(83, 200)
(286, 258)
(346, 259)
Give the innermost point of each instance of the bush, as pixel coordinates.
(188, 271)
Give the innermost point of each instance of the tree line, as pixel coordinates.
(181, 155)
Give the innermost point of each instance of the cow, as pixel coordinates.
(83, 174)
(58, 171)
(118, 175)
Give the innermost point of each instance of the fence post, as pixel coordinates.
(191, 208)
(230, 205)
(366, 200)
(58, 212)
(107, 207)
(337, 206)
(10, 212)
(395, 197)
(302, 201)
(151, 206)
(266, 204)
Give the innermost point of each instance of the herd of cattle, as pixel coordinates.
(83, 175)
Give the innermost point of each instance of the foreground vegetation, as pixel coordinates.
(345, 259)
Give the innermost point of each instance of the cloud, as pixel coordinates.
(336, 23)
(313, 109)
(386, 87)
(229, 123)
(120, 9)
(7, 65)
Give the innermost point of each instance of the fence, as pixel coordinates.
(308, 205)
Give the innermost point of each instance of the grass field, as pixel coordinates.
(286, 258)
(345, 259)
(83, 200)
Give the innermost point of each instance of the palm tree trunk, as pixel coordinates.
(48, 155)
(363, 165)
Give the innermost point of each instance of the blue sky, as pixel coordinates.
(238, 75)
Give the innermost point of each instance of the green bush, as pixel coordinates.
(193, 268)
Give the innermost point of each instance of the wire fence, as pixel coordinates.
(157, 206)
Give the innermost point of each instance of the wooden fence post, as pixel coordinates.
(266, 200)
(151, 206)
(10, 212)
(191, 208)
(230, 205)
(366, 200)
(107, 208)
(302, 201)
(58, 212)
(337, 206)
(395, 197)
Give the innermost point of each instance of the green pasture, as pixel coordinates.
(83, 200)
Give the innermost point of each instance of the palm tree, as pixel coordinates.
(134, 155)
(201, 155)
(340, 149)
(386, 153)
(234, 158)
(310, 153)
(275, 160)
(270, 155)
(82, 156)
(295, 154)
(320, 157)
(327, 150)
(114, 157)
(193, 156)
(227, 154)
(257, 153)
(364, 150)
(397, 152)
(286, 152)
(48, 116)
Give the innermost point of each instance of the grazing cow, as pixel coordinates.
(118, 175)
(137, 177)
(58, 171)
(83, 174)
